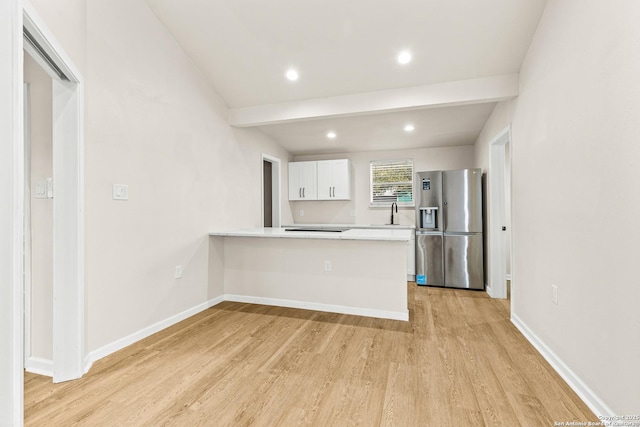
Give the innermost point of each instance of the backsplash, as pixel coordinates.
(340, 212)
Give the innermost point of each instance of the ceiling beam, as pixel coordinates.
(462, 92)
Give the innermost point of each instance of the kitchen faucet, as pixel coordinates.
(396, 205)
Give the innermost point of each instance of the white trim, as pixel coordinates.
(148, 331)
(508, 277)
(130, 339)
(27, 221)
(68, 230)
(40, 366)
(68, 205)
(276, 189)
(357, 311)
(11, 214)
(588, 396)
(497, 285)
(38, 29)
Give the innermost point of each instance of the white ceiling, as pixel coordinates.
(346, 47)
(434, 127)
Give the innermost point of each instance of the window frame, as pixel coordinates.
(386, 204)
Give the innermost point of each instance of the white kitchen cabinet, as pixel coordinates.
(303, 183)
(334, 179)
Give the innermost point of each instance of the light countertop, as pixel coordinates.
(368, 226)
(376, 234)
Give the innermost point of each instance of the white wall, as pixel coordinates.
(339, 212)
(575, 168)
(154, 123)
(41, 133)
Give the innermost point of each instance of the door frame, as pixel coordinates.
(26, 101)
(68, 202)
(497, 277)
(11, 214)
(276, 205)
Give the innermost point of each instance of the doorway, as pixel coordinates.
(270, 191)
(38, 219)
(499, 231)
(267, 191)
(67, 299)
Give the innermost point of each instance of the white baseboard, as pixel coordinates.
(108, 349)
(585, 393)
(149, 330)
(40, 366)
(382, 314)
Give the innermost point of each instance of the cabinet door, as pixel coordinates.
(334, 179)
(341, 180)
(325, 179)
(309, 180)
(295, 186)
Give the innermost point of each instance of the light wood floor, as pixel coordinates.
(458, 362)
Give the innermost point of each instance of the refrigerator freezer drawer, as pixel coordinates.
(429, 259)
(463, 261)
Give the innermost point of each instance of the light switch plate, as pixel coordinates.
(41, 190)
(120, 192)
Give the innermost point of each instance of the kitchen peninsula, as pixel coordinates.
(351, 271)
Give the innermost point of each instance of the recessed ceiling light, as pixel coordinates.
(331, 135)
(404, 57)
(292, 74)
(409, 128)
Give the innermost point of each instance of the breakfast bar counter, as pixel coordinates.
(324, 232)
(352, 271)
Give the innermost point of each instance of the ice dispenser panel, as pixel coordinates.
(429, 217)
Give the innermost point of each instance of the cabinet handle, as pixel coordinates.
(303, 192)
(300, 192)
(329, 191)
(334, 191)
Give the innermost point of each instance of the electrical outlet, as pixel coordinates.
(178, 272)
(554, 294)
(301, 212)
(327, 265)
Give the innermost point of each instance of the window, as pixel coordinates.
(391, 181)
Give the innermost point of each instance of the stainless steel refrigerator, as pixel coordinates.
(449, 229)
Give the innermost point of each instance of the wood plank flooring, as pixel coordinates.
(458, 362)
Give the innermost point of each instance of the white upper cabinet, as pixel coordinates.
(303, 183)
(321, 180)
(334, 179)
